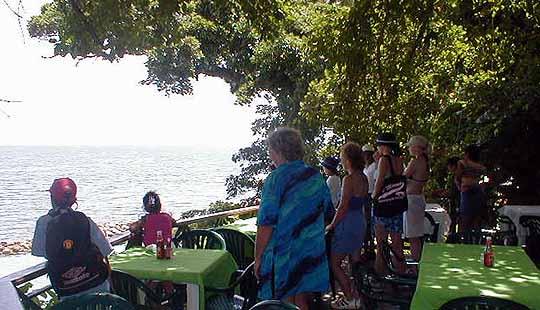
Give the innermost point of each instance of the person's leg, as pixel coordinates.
(397, 246)
(356, 256)
(343, 279)
(368, 239)
(300, 300)
(416, 248)
(465, 223)
(380, 235)
(414, 224)
(453, 222)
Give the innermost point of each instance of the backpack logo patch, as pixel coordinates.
(73, 272)
(68, 244)
(75, 275)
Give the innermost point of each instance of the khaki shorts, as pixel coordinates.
(413, 218)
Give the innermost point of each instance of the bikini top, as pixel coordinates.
(471, 171)
(419, 181)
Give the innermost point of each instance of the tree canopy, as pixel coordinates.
(456, 71)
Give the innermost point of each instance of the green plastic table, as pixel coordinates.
(449, 271)
(247, 226)
(197, 268)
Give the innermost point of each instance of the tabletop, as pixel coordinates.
(211, 268)
(449, 271)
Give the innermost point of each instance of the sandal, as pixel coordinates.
(344, 303)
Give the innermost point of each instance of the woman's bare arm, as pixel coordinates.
(383, 169)
(411, 167)
(344, 203)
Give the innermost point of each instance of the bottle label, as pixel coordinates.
(488, 259)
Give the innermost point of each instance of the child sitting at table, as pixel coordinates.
(144, 231)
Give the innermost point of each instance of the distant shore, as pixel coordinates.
(21, 247)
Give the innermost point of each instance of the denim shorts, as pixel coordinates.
(391, 224)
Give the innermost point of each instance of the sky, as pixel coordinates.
(101, 103)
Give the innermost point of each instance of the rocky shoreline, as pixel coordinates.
(25, 246)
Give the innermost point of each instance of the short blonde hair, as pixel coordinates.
(288, 142)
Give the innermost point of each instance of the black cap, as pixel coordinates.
(330, 163)
(386, 138)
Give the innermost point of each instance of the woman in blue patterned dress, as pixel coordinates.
(290, 256)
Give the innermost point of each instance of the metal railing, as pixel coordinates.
(36, 271)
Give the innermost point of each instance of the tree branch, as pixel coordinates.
(9, 101)
(12, 10)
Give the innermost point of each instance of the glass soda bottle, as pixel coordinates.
(160, 245)
(168, 251)
(489, 256)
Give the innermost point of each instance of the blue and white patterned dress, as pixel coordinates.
(295, 202)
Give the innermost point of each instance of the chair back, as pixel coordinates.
(532, 243)
(96, 301)
(240, 245)
(506, 231)
(433, 234)
(274, 305)
(483, 303)
(200, 239)
(505, 220)
(532, 223)
(133, 289)
(224, 298)
(248, 286)
(155, 222)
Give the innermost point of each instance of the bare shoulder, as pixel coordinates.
(384, 161)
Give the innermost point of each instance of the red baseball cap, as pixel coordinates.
(63, 192)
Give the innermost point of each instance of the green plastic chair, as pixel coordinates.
(433, 235)
(95, 301)
(134, 290)
(26, 301)
(240, 245)
(200, 239)
(224, 298)
(482, 302)
(274, 305)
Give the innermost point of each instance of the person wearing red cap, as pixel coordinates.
(75, 248)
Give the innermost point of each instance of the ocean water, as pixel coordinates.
(111, 181)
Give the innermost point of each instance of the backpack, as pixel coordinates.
(392, 200)
(74, 263)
